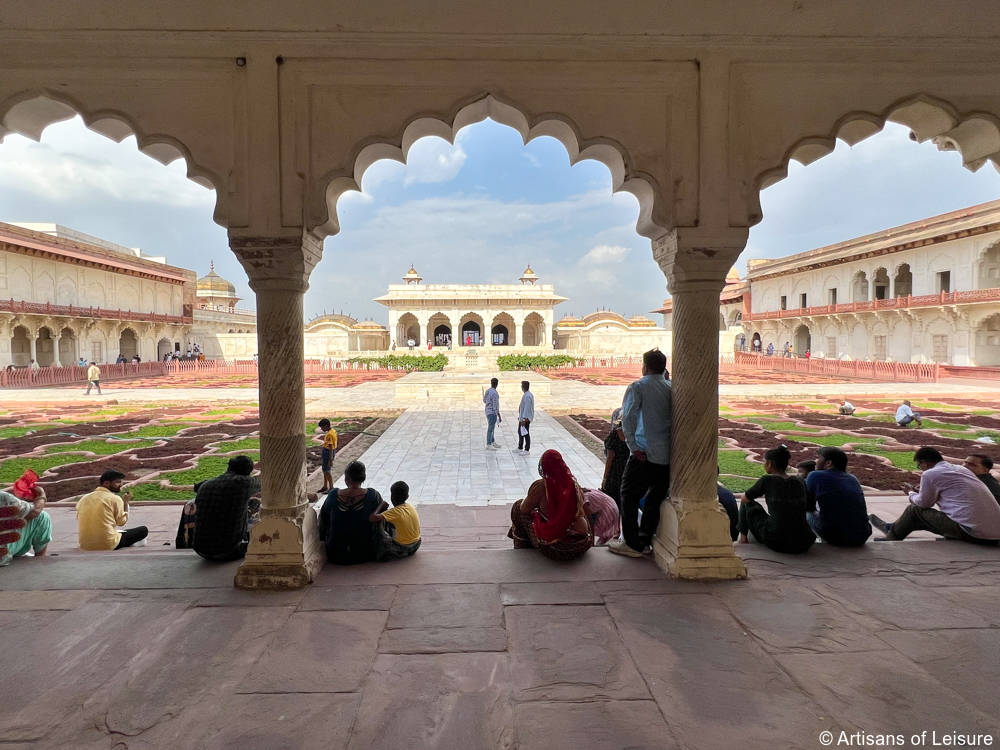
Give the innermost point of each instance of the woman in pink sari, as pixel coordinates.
(554, 517)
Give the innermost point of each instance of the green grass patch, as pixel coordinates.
(19, 431)
(100, 447)
(153, 491)
(161, 430)
(207, 468)
(900, 459)
(13, 468)
(737, 484)
(777, 425)
(735, 462)
(220, 412)
(841, 440)
(246, 444)
(932, 424)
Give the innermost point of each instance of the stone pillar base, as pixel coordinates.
(284, 553)
(695, 544)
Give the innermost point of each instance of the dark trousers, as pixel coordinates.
(131, 536)
(524, 441)
(915, 518)
(642, 479)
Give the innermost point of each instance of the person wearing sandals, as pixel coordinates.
(554, 517)
(783, 526)
(345, 525)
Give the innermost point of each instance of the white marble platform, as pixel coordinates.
(440, 451)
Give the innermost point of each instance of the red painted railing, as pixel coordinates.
(904, 372)
(23, 377)
(925, 300)
(45, 308)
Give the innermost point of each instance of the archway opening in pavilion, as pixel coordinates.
(803, 341)
(472, 333)
(67, 348)
(20, 347)
(442, 335)
(128, 344)
(45, 348)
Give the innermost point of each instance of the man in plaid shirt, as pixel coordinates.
(224, 512)
(492, 400)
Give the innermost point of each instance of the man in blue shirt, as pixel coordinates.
(840, 515)
(647, 412)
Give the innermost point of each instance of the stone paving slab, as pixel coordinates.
(443, 640)
(636, 725)
(436, 701)
(446, 606)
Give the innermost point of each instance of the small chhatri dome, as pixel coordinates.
(733, 277)
(412, 277)
(640, 321)
(529, 276)
(569, 321)
(213, 285)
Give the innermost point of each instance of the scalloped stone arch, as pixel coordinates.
(652, 222)
(30, 113)
(975, 135)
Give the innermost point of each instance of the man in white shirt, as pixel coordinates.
(525, 416)
(966, 508)
(846, 408)
(905, 415)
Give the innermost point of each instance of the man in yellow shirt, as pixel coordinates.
(403, 516)
(100, 513)
(93, 378)
(329, 453)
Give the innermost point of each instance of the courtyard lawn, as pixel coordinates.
(12, 468)
(100, 447)
(840, 440)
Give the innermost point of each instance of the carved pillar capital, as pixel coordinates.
(694, 259)
(278, 263)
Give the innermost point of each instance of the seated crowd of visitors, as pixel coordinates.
(785, 512)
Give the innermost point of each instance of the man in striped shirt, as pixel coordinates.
(492, 400)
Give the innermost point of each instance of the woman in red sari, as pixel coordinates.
(554, 518)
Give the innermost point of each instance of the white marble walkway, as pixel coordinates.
(440, 451)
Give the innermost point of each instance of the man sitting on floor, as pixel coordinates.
(37, 530)
(967, 512)
(980, 464)
(100, 513)
(905, 415)
(836, 502)
(406, 537)
(224, 512)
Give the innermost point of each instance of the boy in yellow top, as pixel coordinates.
(406, 537)
(329, 452)
(100, 513)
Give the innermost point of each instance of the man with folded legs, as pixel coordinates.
(965, 511)
(835, 502)
(647, 412)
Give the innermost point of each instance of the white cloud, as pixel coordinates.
(86, 167)
(434, 160)
(602, 254)
(532, 159)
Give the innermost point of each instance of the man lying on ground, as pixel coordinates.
(835, 501)
(100, 513)
(966, 509)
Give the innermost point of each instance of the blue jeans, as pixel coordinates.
(491, 423)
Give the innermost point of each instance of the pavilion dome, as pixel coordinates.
(412, 277)
(603, 315)
(569, 321)
(213, 285)
(529, 276)
(640, 321)
(369, 325)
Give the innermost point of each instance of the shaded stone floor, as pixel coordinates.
(500, 649)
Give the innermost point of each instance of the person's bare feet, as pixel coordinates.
(743, 539)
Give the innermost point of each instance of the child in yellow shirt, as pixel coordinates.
(403, 516)
(329, 452)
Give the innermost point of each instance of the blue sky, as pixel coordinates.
(475, 212)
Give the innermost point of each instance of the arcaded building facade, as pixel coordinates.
(923, 292)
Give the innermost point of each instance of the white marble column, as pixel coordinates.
(693, 539)
(393, 326)
(284, 551)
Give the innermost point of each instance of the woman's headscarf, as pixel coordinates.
(560, 490)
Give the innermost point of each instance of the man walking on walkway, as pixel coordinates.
(525, 416)
(492, 400)
(93, 378)
(646, 421)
